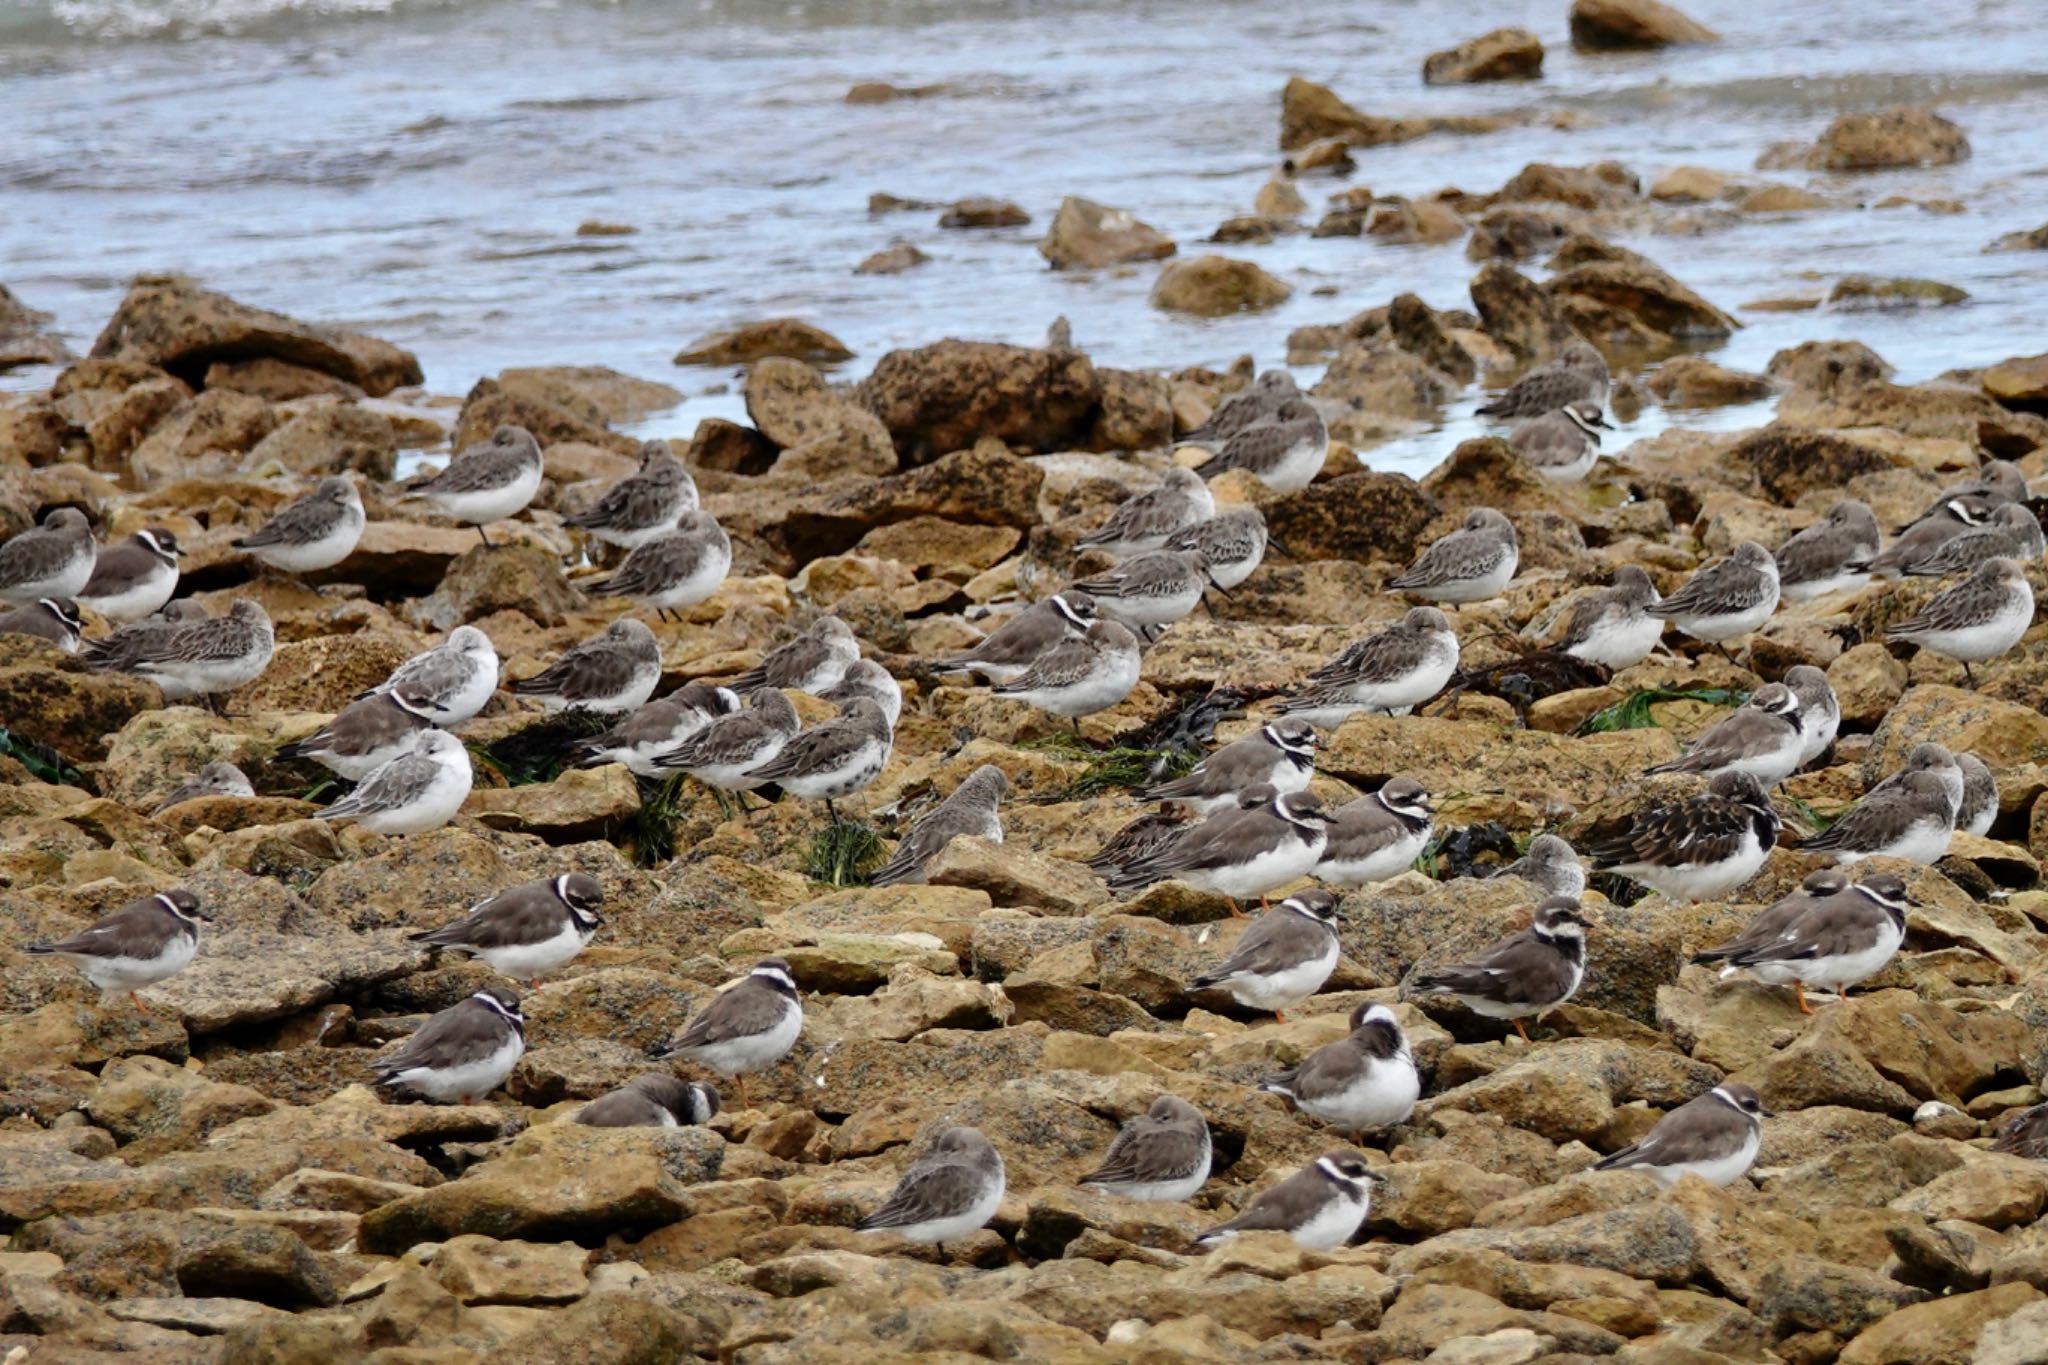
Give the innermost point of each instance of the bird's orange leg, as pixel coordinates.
(1519, 1029)
(1799, 994)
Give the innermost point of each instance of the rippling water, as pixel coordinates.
(419, 167)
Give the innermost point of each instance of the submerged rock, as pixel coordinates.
(1086, 235)
(1905, 135)
(1505, 54)
(751, 341)
(1214, 286)
(1627, 24)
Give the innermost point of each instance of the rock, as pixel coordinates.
(1417, 329)
(325, 673)
(2034, 240)
(54, 701)
(1906, 135)
(22, 339)
(1016, 877)
(1943, 1332)
(1606, 185)
(616, 397)
(2005, 735)
(208, 434)
(1689, 185)
(751, 341)
(2013, 1340)
(1364, 516)
(611, 1329)
(1868, 682)
(1620, 25)
(483, 1270)
(1803, 1294)
(580, 804)
(1379, 384)
(893, 259)
(1779, 199)
(1505, 54)
(793, 407)
(1823, 366)
(1215, 286)
(1310, 112)
(1635, 303)
(170, 321)
(1691, 381)
(1995, 1191)
(946, 396)
(983, 212)
(521, 577)
(276, 381)
(1650, 1240)
(1086, 235)
(1865, 293)
(1517, 313)
(552, 413)
(2021, 382)
(336, 438)
(1792, 461)
(155, 1107)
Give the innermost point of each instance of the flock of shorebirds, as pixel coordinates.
(1241, 823)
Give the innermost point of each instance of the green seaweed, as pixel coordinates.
(45, 763)
(661, 812)
(843, 853)
(539, 752)
(1633, 713)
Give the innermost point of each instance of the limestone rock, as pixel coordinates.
(1905, 135)
(1626, 24)
(944, 397)
(1505, 54)
(982, 211)
(521, 577)
(1309, 112)
(748, 342)
(1086, 235)
(1215, 286)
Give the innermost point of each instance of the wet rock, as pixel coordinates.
(742, 345)
(53, 700)
(1215, 286)
(616, 397)
(1905, 135)
(1364, 516)
(1791, 461)
(336, 438)
(1417, 329)
(893, 259)
(1691, 381)
(1606, 185)
(1505, 54)
(523, 577)
(1779, 199)
(1867, 293)
(2021, 382)
(1629, 24)
(1309, 112)
(170, 321)
(1380, 386)
(793, 407)
(1635, 304)
(2034, 240)
(983, 212)
(946, 396)
(1086, 235)
(1826, 365)
(22, 339)
(277, 381)
(1689, 185)
(1518, 313)
(729, 446)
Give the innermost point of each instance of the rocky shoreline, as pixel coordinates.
(215, 1180)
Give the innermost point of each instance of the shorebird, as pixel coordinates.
(1364, 1081)
(526, 931)
(1832, 555)
(144, 942)
(1080, 677)
(453, 681)
(206, 656)
(1764, 737)
(413, 793)
(1144, 523)
(487, 482)
(1471, 564)
(1021, 641)
(1529, 972)
(1321, 1206)
(658, 729)
(127, 647)
(1726, 599)
(1281, 755)
(1578, 374)
(946, 1194)
(1268, 841)
(1231, 543)
(1377, 836)
(1911, 816)
(2012, 533)
(1820, 714)
(725, 754)
(1151, 591)
(53, 559)
(814, 662)
(1285, 452)
(1925, 536)
(1714, 1137)
(974, 810)
(1564, 443)
(464, 1052)
(748, 1026)
(1697, 849)
(1829, 934)
(1283, 958)
(1393, 670)
(867, 680)
(1980, 796)
(133, 579)
(832, 760)
(656, 1100)
(1256, 402)
(1979, 618)
(611, 673)
(675, 570)
(367, 734)
(316, 532)
(54, 619)
(215, 779)
(1551, 866)
(644, 504)
(1161, 1155)
(1616, 627)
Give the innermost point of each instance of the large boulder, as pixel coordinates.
(1635, 304)
(1086, 235)
(168, 320)
(795, 410)
(1515, 311)
(1214, 286)
(1905, 135)
(57, 701)
(1792, 461)
(1506, 54)
(1364, 516)
(335, 438)
(1629, 24)
(944, 397)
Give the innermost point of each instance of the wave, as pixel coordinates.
(59, 21)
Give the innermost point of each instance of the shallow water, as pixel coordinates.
(418, 168)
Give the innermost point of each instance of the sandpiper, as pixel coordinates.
(948, 1193)
(526, 931)
(215, 779)
(487, 482)
(1364, 1081)
(1931, 530)
(315, 532)
(1141, 838)
(1151, 591)
(207, 656)
(1578, 374)
(1378, 836)
(1281, 755)
(656, 1100)
(133, 579)
(414, 792)
(1551, 866)
(675, 570)
(1617, 626)
(867, 680)
(1393, 670)
(1080, 677)
(1321, 1206)
(1285, 452)
(814, 662)
(1564, 443)
(54, 619)
(2013, 532)
(1471, 564)
(1020, 641)
(1143, 523)
(1832, 555)
(1714, 1137)
(1764, 737)
(609, 674)
(1979, 618)
(658, 729)
(1928, 757)
(464, 1052)
(2025, 1134)
(454, 680)
(1830, 936)
(367, 734)
(725, 753)
(748, 1026)
(1233, 544)
(1283, 958)
(974, 810)
(1980, 796)
(54, 559)
(1269, 840)
(1697, 849)
(1726, 599)
(833, 760)
(1525, 974)
(1161, 1155)
(644, 504)
(1912, 817)
(144, 942)
(1255, 403)
(1820, 714)
(130, 645)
